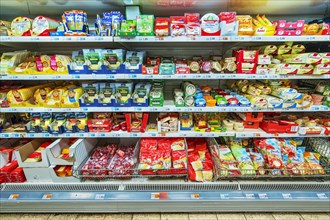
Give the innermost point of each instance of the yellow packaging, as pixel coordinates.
(298, 48)
(70, 97)
(265, 90)
(40, 95)
(20, 25)
(322, 68)
(325, 57)
(245, 26)
(263, 27)
(283, 49)
(257, 101)
(17, 97)
(285, 68)
(308, 58)
(54, 98)
(251, 90)
(268, 49)
(305, 102)
(306, 69)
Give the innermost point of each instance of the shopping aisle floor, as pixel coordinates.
(168, 216)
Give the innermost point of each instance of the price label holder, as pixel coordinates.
(321, 195)
(249, 196)
(159, 196)
(224, 196)
(286, 195)
(13, 196)
(263, 195)
(47, 196)
(99, 196)
(194, 196)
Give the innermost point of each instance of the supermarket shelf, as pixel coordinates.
(170, 197)
(152, 39)
(248, 133)
(58, 39)
(146, 77)
(168, 107)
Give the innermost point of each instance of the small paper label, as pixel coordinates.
(322, 196)
(14, 196)
(194, 196)
(47, 196)
(99, 196)
(263, 195)
(249, 196)
(159, 196)
(224, 196)
(286, 195)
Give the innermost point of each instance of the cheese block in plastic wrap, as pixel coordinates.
(265, 90)
(273, 102)
(305, 102)
(285, 93)
(257, 101)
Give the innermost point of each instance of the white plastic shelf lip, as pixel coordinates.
(261, 196)
(168, 108)
(58, 39)
(152, 39)
(146, 76)
(245, 134)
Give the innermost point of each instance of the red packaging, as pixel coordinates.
(179, 159)
(17, 175)
(148, 144)
(246, 56)
(164, 144)
(162, 26)
(8, 168)
(99, 125)
(281, 126)
(178, 25)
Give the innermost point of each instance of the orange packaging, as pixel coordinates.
(245, 26)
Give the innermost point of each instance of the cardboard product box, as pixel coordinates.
(26, 150)
(55, 150)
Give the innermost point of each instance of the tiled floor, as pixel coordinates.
(171, 216)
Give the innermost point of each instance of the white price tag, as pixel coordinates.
(99, 196)
(287, 195)
(13, 196)
(322, 196)
(224, 196)
(47, 196)
(263, 195)
(194, 196)
(249, 196)
(159, 196)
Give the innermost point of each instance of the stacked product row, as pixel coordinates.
(273, 94)
(66, 123)
(114, 23)
(287, 58)
(196, 158)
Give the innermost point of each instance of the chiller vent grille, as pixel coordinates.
(180, 187)
(61, 187)
(286, 186)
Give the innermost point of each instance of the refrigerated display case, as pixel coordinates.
(94, 161)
